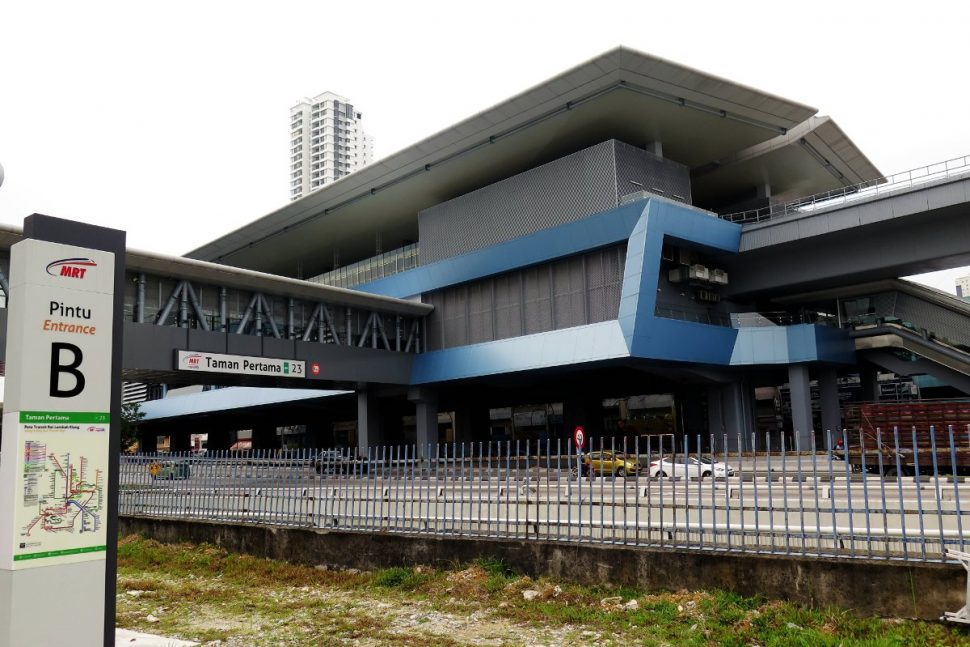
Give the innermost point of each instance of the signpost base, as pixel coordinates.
(52, 606)
(59, 472)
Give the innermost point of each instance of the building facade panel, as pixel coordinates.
(640, 170)
(565, 190)
(549, 296)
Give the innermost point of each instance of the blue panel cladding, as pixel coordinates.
(652, 337)
(569, 346)
(792, 345)
(637, 332)
(608, 228)
(834, 345)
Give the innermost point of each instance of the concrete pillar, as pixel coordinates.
(828, 394)
(738, 420)
(264, 437)
(801, 403)
(715, 413)
(320, 431)
(426, 415)
(730, 415)
(869, 382)
(181, 442)
(368, 421)
(147, 442)
(690, 407)
(220, 440)
(471, 422)
(586, 412)
(426, 418)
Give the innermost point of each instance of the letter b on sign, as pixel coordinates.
(66, 358)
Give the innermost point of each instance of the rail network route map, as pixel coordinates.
(63, 501)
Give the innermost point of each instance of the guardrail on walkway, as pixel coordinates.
(898, 496)
(861, 192)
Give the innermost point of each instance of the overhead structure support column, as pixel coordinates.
(729, 410)
(586, 411)
(265, 437)
(147, 442)
(180, 441)
(219, 440)
(368, 420)
(140, 303)
(426, 419)
(471, 422)
(828, 391)
(801, 404)
(869, 382)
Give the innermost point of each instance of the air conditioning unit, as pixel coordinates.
(699, 273)
(707, 295)
(677, 275)
(719, 277)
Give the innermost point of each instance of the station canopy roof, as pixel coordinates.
(730, 135)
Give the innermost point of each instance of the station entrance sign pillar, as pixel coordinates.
(59, 460)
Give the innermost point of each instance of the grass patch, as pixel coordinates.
(204, 593)
(499, 574)
(405, 579)
(494, 567)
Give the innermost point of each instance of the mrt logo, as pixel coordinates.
(72, 268)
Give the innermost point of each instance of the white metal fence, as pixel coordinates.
(893, 495)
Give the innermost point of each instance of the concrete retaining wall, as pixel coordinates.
(865, 587)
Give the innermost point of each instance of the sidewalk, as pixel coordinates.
(127, 638)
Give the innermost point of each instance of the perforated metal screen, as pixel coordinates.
(569, 292)
(565, 190)
(943, 322)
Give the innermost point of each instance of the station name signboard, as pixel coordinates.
(193, 361)
(58, 398)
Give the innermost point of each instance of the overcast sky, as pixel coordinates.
(170, 119)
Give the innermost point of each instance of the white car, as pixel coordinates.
(702, 467)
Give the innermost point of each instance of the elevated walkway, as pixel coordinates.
(905, 224)
(904, 352)
(904, 327)
(174, 303)
(859, 193)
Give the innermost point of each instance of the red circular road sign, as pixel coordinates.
(315, 368)
(579, 437)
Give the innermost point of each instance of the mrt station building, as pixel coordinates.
(620, 247)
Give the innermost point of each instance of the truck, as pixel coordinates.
(906, 438)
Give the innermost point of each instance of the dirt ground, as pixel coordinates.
(204, 594)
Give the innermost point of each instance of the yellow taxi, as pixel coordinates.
(609, 462)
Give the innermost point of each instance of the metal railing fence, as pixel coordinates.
(888, 494)
(861, 192)
(371, 269)
(743, 319)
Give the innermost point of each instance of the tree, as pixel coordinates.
(131, 417)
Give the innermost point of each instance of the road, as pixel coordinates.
(805, 508)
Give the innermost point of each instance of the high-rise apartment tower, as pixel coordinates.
(963, 287)
(327, 142)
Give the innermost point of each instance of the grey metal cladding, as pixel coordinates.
(565, 190)
(568, 292)
(943, 322)
(640, 170)
(508, 305)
